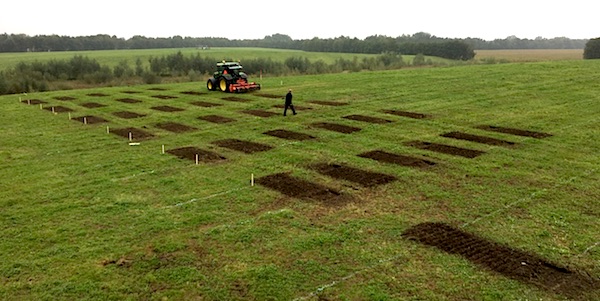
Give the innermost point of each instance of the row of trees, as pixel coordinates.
(80, 70)
(405, 44)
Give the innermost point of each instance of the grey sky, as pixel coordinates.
(306, 19)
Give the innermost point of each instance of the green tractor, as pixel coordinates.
(230, 78)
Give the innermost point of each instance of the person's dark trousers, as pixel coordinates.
(286, 108)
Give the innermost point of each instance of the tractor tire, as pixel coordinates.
(211, 84)
(224, 84)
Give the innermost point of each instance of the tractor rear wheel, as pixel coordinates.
(224, 84)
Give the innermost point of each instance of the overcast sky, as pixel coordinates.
(255, 19)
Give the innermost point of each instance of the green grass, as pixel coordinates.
(87, 216)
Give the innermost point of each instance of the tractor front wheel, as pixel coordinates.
(224, 84)
(211, 84)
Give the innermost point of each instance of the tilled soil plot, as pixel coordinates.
(368, 119)
(167, 109)
(266, 95)
(297, 108)
(131, 92)
(191, 153)
(446, 149)
(128, 115)
(406, 114)
(328, 103)
(302, 189)
(216, 119)
(352, 174)
(512, 131)
(193, 93)
(205, 104)
(242, 146)
(97, 94)
(59, 109)
(478, 139)
(512, 263)
(259, 113)
(175, 127)
(236, 99)
(33, 102)
(289, 135)
(340, 128)
(91, 105)
(128, 100)
(397, 159)
(164, 96)
(157, 89)
(90, 119)
(65, 98)
(136, 134)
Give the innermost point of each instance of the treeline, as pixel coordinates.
(83, 71)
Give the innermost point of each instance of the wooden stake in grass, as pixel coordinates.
(251, 179)
(107, 130)
(130, 136)
(29, 101)
(84, 120)
(197, 159)
(52, 109)
(69, 115)
(163, 149)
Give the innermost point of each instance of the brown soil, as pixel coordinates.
(216, 119)
(128, 115)
(298, 188)
(191, 152)
(236, 99)
(64, 98)
(131, 92)
(406, 114)
(157, 89)
(128, 100)
(167, 109)
(90, 119)
(259, 113)
(397, 159)
(136, 134)
(351, 174)
(446, 149)
(297, 108)
(205, 104)
(289, 135)
(512, 263)
(91, 105)
(478, 139)
(97, 94)
(367, 119)
(164, 96)
(328, 103)
(193, 93)
(59, 109)
(242, 146)
(340, 128)
(513, 131)
(266, 95)
(175, 127)
(33, 101)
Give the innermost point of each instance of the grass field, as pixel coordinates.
(530, 55)
(469, 213)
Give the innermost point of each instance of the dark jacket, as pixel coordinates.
(288, 98)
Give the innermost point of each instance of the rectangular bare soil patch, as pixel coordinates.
(128, 115)
(133, 133)
(352, 174)
(259, 113)
(205, 104)
(302, 189)
(193, 153)
(97, 94)
(515, 264)
(33, 102)
(192, 93)
(267, 95)
(236, 99)
(175, 127)
(368, 119)
(297, 108)
(216, 119)
(513, 131)
(65, 98)
(289, 135)
(128, 100)
(340, 128)
(90, 119)
(247, 147)
(328, 103)
(478, 139)
(92, 105)
(446, 149)
(167, 109)
(164, 96)
(403, 160)
(406, 114)
(58, 109)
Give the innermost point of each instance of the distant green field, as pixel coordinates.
(462, 183)
(113, 57)
(530, 55)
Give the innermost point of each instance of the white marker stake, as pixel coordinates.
(19, 98)
(251, 179)
(196, 159)
(130, 136)
(107, 130)
(52, 109)
(163, 149)
(84, 120)
(69, 115)
(29, 101)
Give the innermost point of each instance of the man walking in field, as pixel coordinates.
(288, 103)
